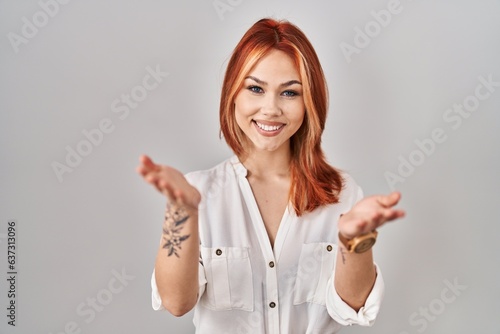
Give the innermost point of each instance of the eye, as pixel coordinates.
(289, 93)
(255, 89)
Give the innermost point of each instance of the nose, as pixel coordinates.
(271, 106)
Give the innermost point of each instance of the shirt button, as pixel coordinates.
(271, 264)
(272, 304)
(329, 248)
(218, 252)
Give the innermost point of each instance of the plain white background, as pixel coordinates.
(76, 232)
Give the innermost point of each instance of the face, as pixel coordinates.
(269, 108)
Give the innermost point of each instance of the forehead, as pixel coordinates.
(275, 66)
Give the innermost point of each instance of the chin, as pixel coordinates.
(269, 148)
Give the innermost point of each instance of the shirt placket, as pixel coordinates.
(271, 287)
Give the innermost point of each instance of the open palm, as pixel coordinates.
(368, 214)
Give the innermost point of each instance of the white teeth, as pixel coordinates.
(268, 127)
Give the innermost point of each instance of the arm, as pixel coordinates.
(354, 276)
(355, 273)
(176, 266)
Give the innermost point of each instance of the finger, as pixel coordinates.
(152, 179)
(147, 162)
(398, 214)
(389, 200)
(390, 215)
(142, 170)
(377, 218)
(145, 165)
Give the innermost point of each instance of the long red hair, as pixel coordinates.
(313, 181)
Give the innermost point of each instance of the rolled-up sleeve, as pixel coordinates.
(155, 295)
(345, 315)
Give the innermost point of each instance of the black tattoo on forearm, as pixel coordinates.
(175, 218)
(342, 254)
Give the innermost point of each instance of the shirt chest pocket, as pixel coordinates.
(315, 267)
(229, 278)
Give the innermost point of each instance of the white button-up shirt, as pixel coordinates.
(247, 286)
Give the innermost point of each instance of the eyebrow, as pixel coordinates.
(284, 84)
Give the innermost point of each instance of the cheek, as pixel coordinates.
(299, 123)
(239, 108)
(240, 113)
(298, 114)
(243, 106)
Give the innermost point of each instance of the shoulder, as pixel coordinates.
(349, 183)
(351, 191)
(350, 194)
(218, 174)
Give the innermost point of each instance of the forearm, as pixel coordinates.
(176, 267)
(354, 276)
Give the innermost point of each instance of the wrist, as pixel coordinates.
(184, 208)
(191, 211)
(358, 244)
(343, 240)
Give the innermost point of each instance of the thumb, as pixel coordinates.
(389, 200)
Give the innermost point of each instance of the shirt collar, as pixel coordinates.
(239, 169)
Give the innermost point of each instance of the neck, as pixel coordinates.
(266, 164)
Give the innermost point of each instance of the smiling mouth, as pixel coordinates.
(269, 128)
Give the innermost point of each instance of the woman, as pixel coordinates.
(272, 240)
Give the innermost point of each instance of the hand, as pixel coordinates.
(368, 214)
(170, 182)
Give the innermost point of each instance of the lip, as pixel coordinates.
(268, 133)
